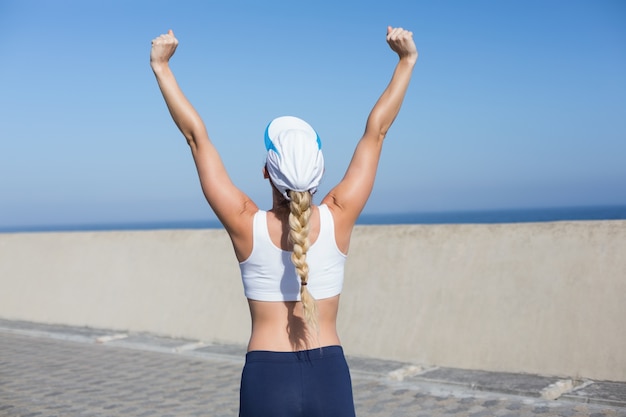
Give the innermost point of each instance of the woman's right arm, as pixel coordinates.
(348, 198)
(230, 204)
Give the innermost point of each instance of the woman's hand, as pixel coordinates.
(163, 47)
(401, 42)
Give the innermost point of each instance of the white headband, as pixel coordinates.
(294, 155)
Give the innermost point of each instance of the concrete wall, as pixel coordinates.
(546, 298)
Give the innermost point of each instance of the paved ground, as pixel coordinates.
(59, 371)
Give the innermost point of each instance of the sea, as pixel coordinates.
(435, 217)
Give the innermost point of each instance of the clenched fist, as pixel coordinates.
(163, 47)
(401, 42)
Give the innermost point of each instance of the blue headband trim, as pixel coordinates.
(269, 145)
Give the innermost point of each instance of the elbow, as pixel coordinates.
(377, 128)
(381, 135)
(382, 131)
(192, 133)
(191, 139)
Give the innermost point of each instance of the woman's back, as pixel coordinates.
(278, 323)
(280, 326)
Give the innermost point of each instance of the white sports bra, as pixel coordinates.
(269, 275)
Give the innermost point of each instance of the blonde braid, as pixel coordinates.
(299, 214)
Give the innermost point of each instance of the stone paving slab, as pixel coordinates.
(49, 374)
(374, 366)
(58, 331)
(234, 350)
(504, 382)
(148, 342)
(600, 392)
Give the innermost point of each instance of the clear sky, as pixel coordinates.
(513, 104)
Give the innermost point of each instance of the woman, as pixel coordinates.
(292, 256)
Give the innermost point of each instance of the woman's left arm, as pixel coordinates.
(230, 204)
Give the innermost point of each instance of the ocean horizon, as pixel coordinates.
(491, 216)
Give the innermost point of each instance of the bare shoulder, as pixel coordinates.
(343, 223)
(240, 231)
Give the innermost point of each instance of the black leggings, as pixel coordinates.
(308, 383)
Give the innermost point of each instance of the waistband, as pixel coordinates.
(298, 356)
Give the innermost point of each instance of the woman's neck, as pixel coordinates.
(280, 205)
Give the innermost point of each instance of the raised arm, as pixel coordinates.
(230, 204)
(348, 198)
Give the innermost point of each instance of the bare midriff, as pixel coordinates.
(280, 326)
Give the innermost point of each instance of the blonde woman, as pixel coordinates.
(292, 256)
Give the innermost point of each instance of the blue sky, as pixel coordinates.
(513, 104)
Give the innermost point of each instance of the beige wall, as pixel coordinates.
(547, 298)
